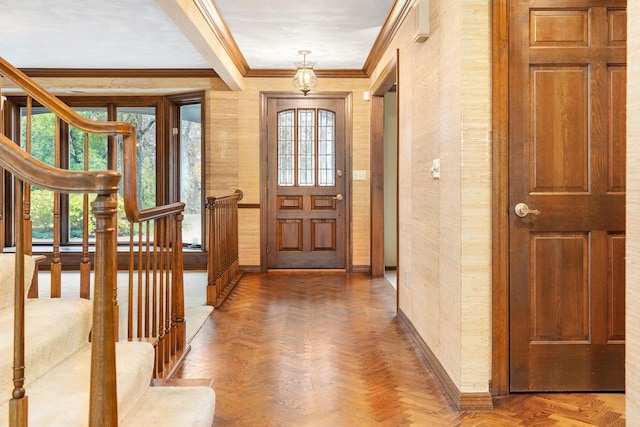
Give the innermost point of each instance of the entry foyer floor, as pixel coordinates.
(325, 349)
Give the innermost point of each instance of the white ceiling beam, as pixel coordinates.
(189, 18)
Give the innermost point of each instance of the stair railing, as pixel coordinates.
(223, 262)
(157, 313)
(26, 169)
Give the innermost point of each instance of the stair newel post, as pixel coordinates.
(212, 253)
(18, 405)
(103, 404)
(178, 286)
(85, 266)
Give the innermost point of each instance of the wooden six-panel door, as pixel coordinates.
(306, 183)
(567, 165)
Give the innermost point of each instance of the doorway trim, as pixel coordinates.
(347, 97)
(388, 77)
(500, 198)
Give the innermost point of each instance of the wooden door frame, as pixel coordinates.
(500, 198)
(388, 77)
(265, 96)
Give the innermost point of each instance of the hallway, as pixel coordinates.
(325, 349)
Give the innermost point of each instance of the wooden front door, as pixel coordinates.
(567, 165)
(306, 183)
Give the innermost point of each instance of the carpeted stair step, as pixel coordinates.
(61, 396)
(54, 330)
(173, 407)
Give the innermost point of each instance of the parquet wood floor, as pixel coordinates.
(325, 349)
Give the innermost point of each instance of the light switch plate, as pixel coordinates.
(359, 175)
(435, 169)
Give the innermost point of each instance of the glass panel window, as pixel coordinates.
(306, 148)
(43, 125)
(144, 119)
(286, 147)
(191, 172)
(326, 148)
(97, 160)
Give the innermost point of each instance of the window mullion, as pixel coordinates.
(296, 138)
(316, 152)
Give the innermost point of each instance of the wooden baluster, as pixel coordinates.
(28, 228)
(114, 293)
(56, 265)
(130, 286)
(221, 252)
(154, 311)
(85, 267)
(237, 233)
(103, 404)
(33, 291)
(225, 245)
(18, 405)
(147, 305)
(139, 276)
(222, 226)
(234, 235)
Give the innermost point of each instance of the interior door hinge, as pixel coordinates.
(268, 251)
(175, 131)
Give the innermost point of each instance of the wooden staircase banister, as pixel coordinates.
(155, 212)
(27, 168)
(58, 107)
(236, 195)
(159, 266)
(127, 130)
(223, 264)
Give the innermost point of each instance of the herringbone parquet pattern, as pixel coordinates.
(325, 349)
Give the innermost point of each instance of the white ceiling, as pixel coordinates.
(139, 34)
(339, 33)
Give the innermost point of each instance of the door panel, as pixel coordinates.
(567, 157)
(305, 183)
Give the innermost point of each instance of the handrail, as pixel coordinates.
(166, 238)
(127, 130)
(155, 212)
(27, 168)
(51, 102)
(236, 195)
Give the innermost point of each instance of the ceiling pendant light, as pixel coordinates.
(305, 79)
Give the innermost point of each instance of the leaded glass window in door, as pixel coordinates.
(306, 148)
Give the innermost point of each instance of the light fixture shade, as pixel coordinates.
(305, 79)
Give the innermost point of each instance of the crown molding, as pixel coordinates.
(120, 72)
(394, 20)
(390, 28)
(325, 73)
(220, 29)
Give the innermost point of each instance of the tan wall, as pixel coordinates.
(444, 92)
(233, 141)
(390, 181)
(233, 155)
(633, 221)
